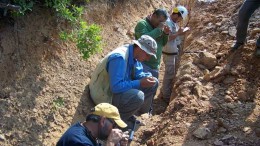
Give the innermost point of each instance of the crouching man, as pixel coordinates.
(119, 79)
(99, 125)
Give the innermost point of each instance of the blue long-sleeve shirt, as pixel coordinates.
(119, 81)
(77, 135)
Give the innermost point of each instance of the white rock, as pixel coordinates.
(218, 143)
(228, 92)
(188, 124)
(2, 137)
(218, 24)
(208, 60)
(232, 31)
(204, 97)
(213, 73)
(224, 32)
(198, 90)
(228, 98)
(247, 130)
(202, 133)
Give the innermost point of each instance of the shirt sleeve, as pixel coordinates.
(165, 39)
(118, 83)
(141, 29)
(139, 74)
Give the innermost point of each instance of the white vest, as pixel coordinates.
(172, 46)
(99, 84)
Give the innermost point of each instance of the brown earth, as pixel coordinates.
(215, 100)
(43, 81)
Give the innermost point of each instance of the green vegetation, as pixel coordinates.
(87, 36)
(25, 6)
(58, 103)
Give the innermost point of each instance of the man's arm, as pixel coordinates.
(165, 38)
(115, 67)
(138, 71)
(141, 29)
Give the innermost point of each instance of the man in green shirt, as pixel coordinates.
(154, 25)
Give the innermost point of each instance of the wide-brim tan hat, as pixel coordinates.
(148, 44)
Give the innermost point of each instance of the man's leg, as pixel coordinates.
(128, 103)
(258, 42)
(155, 73)
(169, 73)
(148, 98)
(258, 47)
(168, 81)
(244, 14)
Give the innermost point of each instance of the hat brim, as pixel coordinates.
(143, 48)
(120, 123)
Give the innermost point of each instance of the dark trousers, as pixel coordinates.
(245, 12)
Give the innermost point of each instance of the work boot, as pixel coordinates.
(237, 46)
(257, 53)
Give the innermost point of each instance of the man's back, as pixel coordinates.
(76, 135)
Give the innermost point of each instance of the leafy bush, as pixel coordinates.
(88, 45)
(87, 36)
(26, 5)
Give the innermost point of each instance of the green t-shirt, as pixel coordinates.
(144, 27)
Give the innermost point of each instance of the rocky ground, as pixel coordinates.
(216, 92)
(43, 81)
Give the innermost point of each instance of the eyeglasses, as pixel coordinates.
(112, 122)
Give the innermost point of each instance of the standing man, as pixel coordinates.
(171, 49)
(244, 14)
(154, 26)
(99, 125)
(119, 79)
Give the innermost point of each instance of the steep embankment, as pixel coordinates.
(43, 81)
(216, 92)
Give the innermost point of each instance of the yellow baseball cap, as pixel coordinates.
(109, 111)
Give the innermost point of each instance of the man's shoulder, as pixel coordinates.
(119, 52)
(75, 135)
(142, 21)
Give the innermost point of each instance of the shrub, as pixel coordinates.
(87, 36)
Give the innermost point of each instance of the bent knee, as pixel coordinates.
(140, 96)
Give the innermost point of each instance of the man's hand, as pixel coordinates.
(182, 31)
(166, 29)
(116, 136)
(124, 140)
(161, 25)
(147, 82)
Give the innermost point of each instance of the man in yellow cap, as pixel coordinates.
(100, 124)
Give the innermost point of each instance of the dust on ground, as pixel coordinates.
(43, 88)
(216, 92)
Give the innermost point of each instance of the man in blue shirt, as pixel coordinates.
(99, 125)
(119, 79)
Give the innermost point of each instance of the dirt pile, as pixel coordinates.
(43, 81)
(216, 92)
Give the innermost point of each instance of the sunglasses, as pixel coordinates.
(112, 122)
